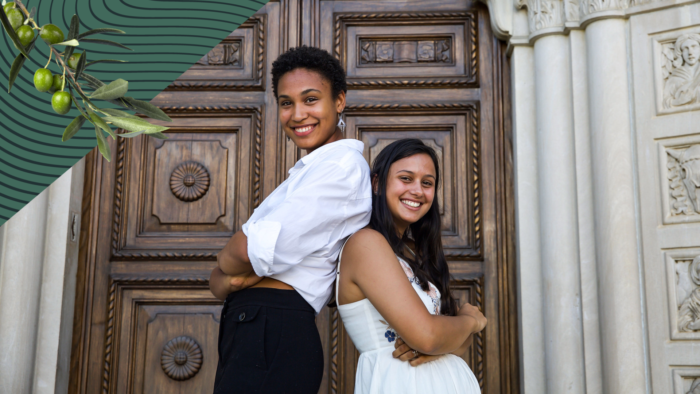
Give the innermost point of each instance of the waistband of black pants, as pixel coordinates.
(275, 298)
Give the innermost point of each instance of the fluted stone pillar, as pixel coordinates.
(558, 216)
(586, 214)
(529, 257)
(620, 298)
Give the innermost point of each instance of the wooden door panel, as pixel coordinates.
(384, 50)
(165, 337)
(193, 190)
(454, 136)
(237, 63)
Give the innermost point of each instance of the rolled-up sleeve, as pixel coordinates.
(304, 221)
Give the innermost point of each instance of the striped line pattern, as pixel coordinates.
(167, 37)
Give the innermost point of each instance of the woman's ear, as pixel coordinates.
(340, 102)
(375, 184)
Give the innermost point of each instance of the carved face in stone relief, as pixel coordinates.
(689, 161)
(687, 48)
(691, 51)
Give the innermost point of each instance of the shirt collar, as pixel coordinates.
(350, 143)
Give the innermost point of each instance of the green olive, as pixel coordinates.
(25, 34)
(57, 82)
(73, 60)
(8, 7)
(15, 17)
(43, 80)
(61, 101)
(51, 34)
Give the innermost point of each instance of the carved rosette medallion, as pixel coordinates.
(181, 358)
(189, 181)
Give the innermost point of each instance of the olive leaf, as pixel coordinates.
(118, 113)
(71, 43)
(72, 33)
(132, 134)
(105, 61)
(102, 144)
(81, 64)
(73, 128)
(105, 42)
(160, 136)
(147, 109)
(98, 31)
(134, 124)
(97, 121)
(84, 97)
(92, 81)
(75, 101)
(11, 32)
(17, 65)
(112, 91)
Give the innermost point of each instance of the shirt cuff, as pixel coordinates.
(262, 237)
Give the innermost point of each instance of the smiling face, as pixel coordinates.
(410, 189)
(691, 51)
(307, 109)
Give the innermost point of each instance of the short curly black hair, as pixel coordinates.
(312, 59)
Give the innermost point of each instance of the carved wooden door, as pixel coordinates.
(155, 217)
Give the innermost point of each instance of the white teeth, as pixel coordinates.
(411, 203)
(303, 129)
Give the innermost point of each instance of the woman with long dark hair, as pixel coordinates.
(393, 285)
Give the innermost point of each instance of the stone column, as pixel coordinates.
(620, 298)
(561, 275)
(586, 223)
(23, 252)
(527, 212)
(38, 260)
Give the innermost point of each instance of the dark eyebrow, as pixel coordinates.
(310, 90)
(411, 172)
(302, 93)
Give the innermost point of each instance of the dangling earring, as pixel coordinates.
(341, 123)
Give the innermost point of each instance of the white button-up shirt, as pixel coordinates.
(295, 235)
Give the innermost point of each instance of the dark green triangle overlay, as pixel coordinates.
(167, 37)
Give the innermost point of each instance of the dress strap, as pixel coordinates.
(337, 271)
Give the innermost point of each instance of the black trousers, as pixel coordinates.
(268, 343)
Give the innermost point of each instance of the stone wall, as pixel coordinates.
(606, 96)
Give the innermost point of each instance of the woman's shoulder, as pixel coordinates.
(367, 245)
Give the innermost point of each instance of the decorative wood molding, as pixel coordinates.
(258, 23)
(142, 281)
(189, 181)
(469, 18)
(335, 327)
(118, 221)
(478, 285)
(181, 358)
(474, 146)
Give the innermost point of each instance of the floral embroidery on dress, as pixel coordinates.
(433, 292)
(390, 334)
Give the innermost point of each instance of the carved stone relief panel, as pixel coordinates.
(677, 64)
(237, 63)
(191, 191)
(396, 50)
(164, 331)
(683, 268)
(686, 380)
(681, 179)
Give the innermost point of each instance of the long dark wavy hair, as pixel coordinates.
(429, 263)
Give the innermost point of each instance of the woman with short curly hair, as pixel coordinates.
(277, 272)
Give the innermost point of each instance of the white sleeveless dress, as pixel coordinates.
(378, 372)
